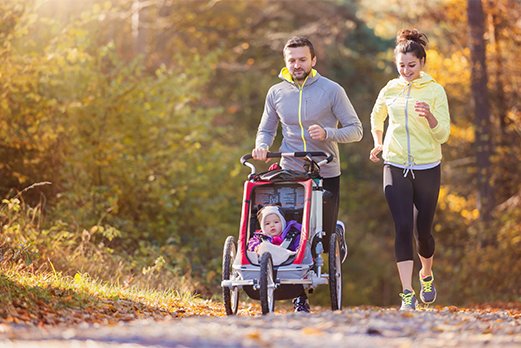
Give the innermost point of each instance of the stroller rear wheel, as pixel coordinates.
(230, 297)
(335, 272)
(267, 284)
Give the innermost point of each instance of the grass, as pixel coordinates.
(51, 299)
(32, 291)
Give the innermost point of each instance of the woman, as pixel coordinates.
(419, 123)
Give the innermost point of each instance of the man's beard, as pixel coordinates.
(303, 73)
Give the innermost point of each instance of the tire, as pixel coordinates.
(267, 284)
(335, 272)
(230, 297)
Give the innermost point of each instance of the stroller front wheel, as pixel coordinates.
(267, 284)
(230, 297)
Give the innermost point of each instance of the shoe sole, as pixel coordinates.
(423, 300)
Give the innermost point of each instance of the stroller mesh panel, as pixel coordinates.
(291, 196)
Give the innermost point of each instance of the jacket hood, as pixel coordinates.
(423, 80)
(285, 75)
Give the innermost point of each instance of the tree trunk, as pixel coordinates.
(139, 30)
(481, 105)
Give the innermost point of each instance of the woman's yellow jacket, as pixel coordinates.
(409, 140)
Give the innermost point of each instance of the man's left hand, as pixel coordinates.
(317, 132)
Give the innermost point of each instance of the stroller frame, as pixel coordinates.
(263, 280)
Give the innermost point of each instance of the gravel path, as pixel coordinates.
(352, 327)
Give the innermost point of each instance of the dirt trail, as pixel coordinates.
(352, 327)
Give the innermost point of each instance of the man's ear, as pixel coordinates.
(314, 61)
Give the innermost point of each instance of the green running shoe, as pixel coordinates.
(428, 291)
(408, 300)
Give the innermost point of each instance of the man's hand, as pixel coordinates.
(317, 132)
(260, 154)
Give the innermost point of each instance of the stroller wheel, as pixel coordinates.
(267, 284)
(335, 272)
(230, 297)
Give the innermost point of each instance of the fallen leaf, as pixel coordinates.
(312, 331)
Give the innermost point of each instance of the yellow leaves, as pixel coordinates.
(21, 177)
(453, 202)
(464, 134)
(515, 241)
(96, 8)
(77, 277)
(4, 104)
(453, 70)
(311, 331)
(72, 55)
(254, 334)
(34, 96)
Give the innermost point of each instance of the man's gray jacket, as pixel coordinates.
(320, 101)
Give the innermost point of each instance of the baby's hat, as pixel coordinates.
(271, 209)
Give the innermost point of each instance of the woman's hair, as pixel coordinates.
(411, 41)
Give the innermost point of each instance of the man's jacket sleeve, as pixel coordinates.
(268, 125)
(344, 111)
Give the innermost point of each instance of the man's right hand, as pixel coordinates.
(260, 154)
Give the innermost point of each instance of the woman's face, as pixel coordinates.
(272, 225)
(409, 66)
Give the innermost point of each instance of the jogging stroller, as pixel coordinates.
(279, 274)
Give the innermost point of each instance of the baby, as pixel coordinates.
(274, 229)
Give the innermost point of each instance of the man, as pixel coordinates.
(309, 108)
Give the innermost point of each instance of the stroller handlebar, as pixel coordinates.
(329, 158)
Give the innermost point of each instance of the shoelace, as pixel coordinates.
(407, 298)
(427, 285)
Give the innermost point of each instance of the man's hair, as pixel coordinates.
(299, 41)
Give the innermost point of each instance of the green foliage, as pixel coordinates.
(133, 150)
(18, 232)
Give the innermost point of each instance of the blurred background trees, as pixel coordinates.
(138, 112)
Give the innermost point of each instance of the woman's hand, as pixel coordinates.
(374, 152)
(424, 110)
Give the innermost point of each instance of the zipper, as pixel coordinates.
(301, 89)
(410, 158)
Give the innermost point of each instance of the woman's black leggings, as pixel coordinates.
(412, 203)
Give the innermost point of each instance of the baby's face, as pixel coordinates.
(272, 225)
